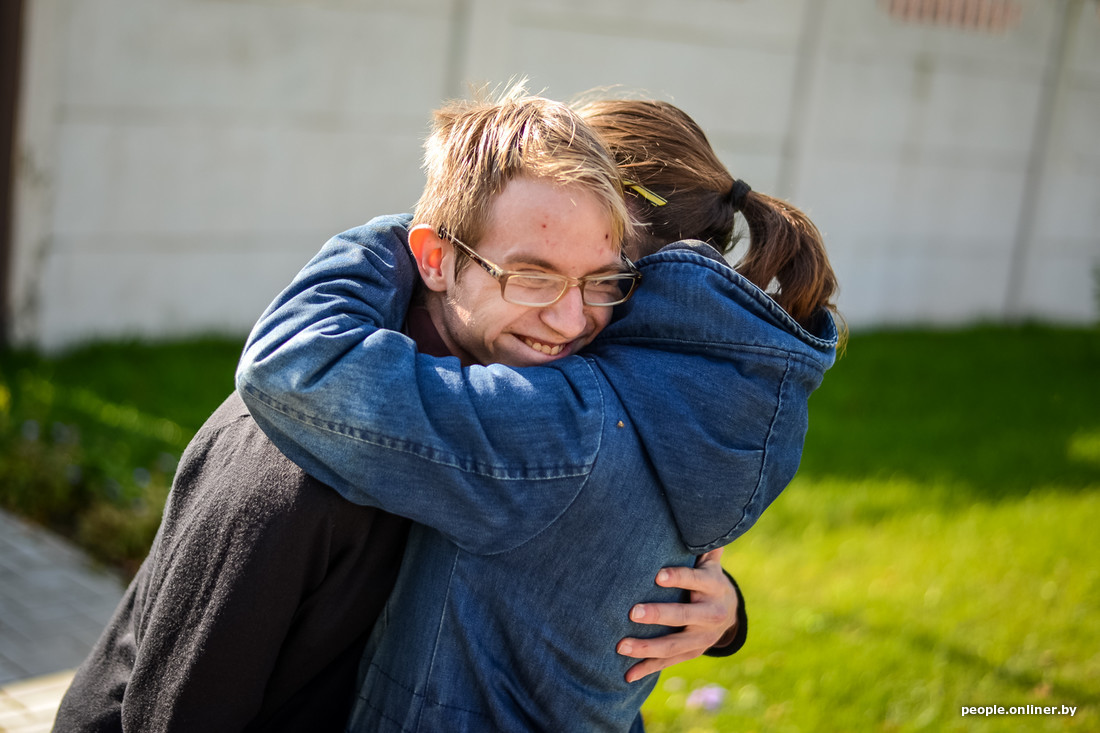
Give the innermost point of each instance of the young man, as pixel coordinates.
(252, 609)
(548, 498)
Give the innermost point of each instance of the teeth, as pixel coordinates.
(544, 348)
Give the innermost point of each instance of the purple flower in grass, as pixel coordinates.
(708, 697)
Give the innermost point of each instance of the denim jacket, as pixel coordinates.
(547, 497)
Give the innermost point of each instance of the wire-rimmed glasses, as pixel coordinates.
(540, 289)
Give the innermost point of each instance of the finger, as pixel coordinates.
(649, 666)
(704, 614)
(694, 579)
(685, 644)
(665, 614)
(707, 615)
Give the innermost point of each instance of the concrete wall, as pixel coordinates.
(179, 160)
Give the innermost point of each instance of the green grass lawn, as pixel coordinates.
(89, 439)
(937, 549)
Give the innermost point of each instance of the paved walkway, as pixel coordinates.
(54, 602)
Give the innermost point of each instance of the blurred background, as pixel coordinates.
(173, 163)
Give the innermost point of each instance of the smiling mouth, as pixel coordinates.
(548, 349)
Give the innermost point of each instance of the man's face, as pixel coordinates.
(534, 226)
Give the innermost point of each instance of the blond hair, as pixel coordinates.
(477, 147)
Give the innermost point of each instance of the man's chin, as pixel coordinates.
(522, 362)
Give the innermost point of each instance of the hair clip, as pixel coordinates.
(645, 193)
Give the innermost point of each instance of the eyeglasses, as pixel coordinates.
(540, 289)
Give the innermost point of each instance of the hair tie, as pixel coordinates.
(737, 194)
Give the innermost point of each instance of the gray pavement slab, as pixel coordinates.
(54, 601)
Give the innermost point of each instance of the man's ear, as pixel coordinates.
(430, 252)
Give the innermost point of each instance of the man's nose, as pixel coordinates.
(567, 316)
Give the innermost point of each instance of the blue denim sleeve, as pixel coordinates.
(348, 398)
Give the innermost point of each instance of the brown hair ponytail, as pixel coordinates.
(659, 147)
(785, 248)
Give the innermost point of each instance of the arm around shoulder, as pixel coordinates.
(350, 400)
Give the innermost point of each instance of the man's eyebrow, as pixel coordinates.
(535, 261)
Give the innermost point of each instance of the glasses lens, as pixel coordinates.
(533, 289)
(608, 290)
(541, 290)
